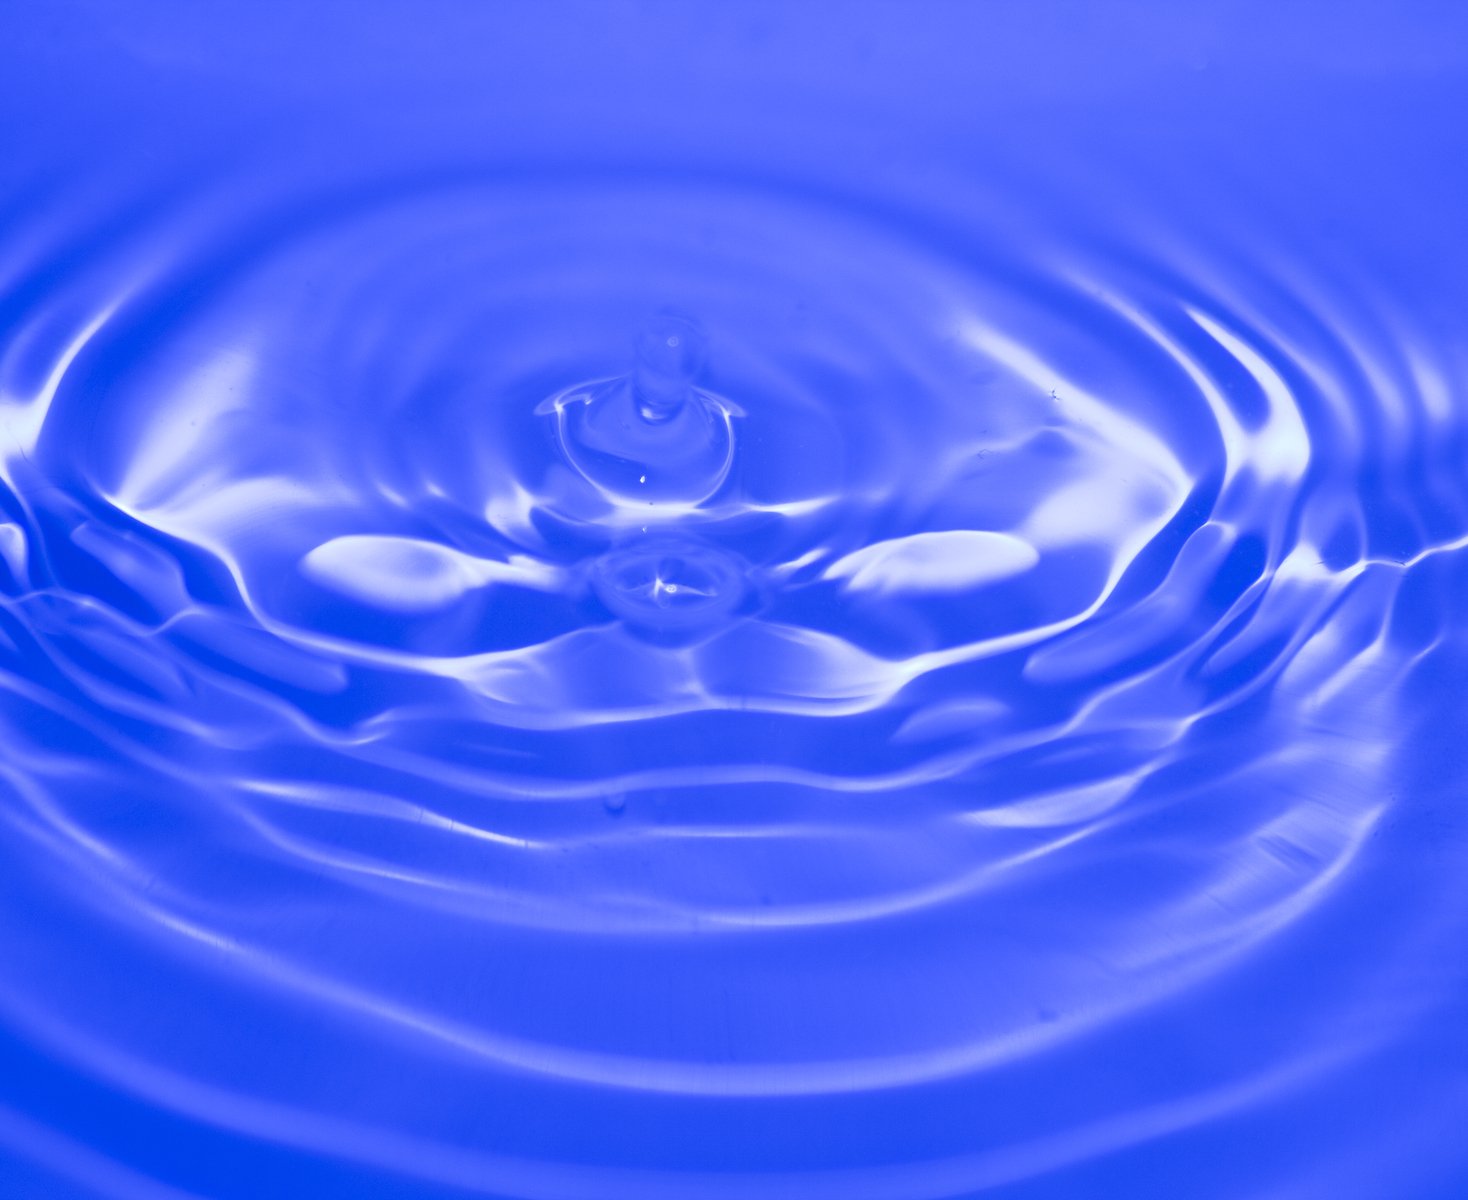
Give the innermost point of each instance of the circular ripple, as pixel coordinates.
(993, 575)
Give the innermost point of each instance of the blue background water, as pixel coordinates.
(1001, 736)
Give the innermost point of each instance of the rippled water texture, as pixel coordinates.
(743, 601)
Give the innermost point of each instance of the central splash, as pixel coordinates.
(650, 436)
(655, 446)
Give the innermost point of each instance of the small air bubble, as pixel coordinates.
(614, 803)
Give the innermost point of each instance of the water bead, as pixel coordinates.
(671, 352)
(650, 436)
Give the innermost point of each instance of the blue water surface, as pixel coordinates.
(649, 601)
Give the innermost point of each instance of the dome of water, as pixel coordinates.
(650, 437)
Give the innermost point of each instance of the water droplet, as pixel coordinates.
(651, 424)
(670, 356)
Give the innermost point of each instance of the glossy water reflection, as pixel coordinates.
(578, 625)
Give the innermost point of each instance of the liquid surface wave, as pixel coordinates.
(733, 603)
